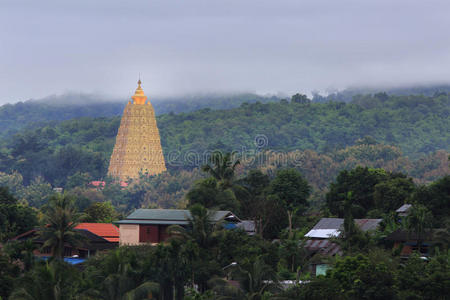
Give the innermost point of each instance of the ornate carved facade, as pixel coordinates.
(138, 146)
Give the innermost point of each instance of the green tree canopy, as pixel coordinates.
(15, 218)
(292, 190)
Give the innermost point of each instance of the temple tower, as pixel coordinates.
(138, 146)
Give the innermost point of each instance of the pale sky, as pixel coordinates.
(189, 46)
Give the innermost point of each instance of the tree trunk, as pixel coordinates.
(179, 291)
(289, 213)
(292, 263)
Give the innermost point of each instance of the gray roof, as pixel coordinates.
(403, 208)
(169, 216)
(329, 223)
(368, 224)
(337, 223)
(247, 225)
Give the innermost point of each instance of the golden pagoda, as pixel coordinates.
(138, 146)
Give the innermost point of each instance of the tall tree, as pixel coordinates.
(220, 190)
(256, 203)
(50, 281)
(204, 234)
(60, 220)
(361, 182)
(419, 221)
(222, 167)
(14, 217)
(293, 190)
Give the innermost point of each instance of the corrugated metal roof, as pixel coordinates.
(324, 247)
(322, 233)
(247, 225)
(367, 224)
(329, 223)
(337, 223)
(403, 208)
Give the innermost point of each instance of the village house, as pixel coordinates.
(149, 226)
(96, 237)
(320, 244)
(408, 242)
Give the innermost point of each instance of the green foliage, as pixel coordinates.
(15, 218)
(292, 190)
(47, 281)
(419, 279)
(231, 249)
(419, 221)
(371, 189)
(84, 145)
(208, 193)
(362, 277)
(100, 212)
(8, 273)
(257, 204)
(318, 289)
(219, 190)
(391, 194)
(201, 237)
(59, 225)
(436, 197)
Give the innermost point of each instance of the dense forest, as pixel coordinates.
(398, 133)
(32, 113)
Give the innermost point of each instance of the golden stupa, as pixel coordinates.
(138, 146)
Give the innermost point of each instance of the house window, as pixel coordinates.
(148, 230)
(46, 250)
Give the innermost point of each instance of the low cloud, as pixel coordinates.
(187, 47)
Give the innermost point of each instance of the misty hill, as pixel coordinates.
(351, 94)
(14, 117)
(417, 125)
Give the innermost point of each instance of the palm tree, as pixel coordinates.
(50, 281)
(222, 168)
(419, 221)
(200, 239)
(223, 191)
(201, 229)
(121, 286)
(119, 278)
(60, 221)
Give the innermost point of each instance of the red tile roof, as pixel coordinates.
(97, 183)
(107, 231)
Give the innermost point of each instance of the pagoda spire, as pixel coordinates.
(139, 96)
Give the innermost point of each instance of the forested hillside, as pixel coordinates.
(350, 94)
(14, 117)
(406, 134)
(416, 124)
